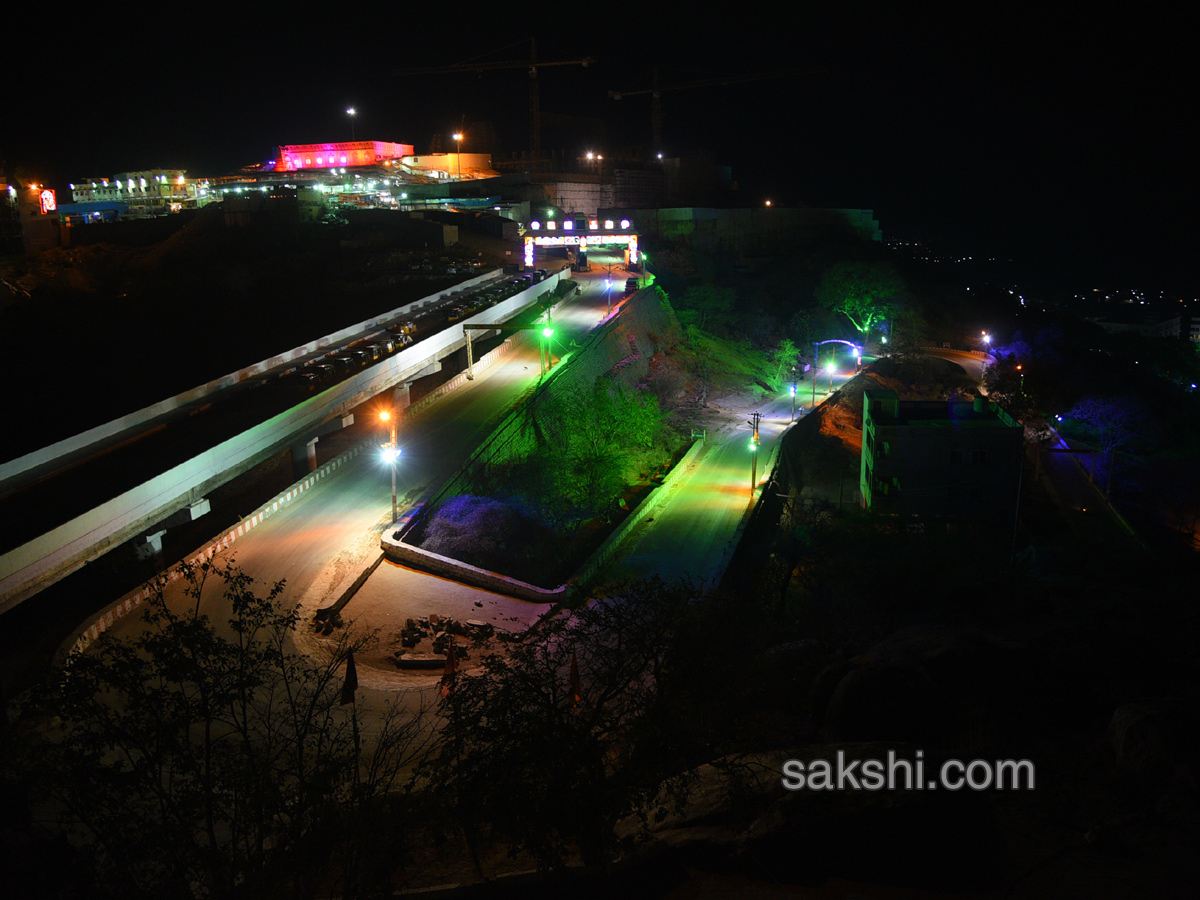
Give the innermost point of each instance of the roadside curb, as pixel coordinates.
(84, 635)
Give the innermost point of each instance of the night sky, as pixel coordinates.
(1062, 140)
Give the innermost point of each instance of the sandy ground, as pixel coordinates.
(391, 595)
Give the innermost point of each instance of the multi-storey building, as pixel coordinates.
(154, 192)
(940, 459)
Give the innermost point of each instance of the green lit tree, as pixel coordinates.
(783, 361)
(866, 293)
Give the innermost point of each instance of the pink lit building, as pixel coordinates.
(296, 157)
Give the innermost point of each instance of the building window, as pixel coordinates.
(956, 457)
(978, 457)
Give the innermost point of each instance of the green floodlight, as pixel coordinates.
(547, 332)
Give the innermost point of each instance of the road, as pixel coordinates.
(333, 531)
(692, 535)
(326, 538)
(972, 365)
(1092, 520)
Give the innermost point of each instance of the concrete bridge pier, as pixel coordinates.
(150, 544)
(400, 396)
(304, 457)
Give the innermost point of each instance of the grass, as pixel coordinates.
(727, 364)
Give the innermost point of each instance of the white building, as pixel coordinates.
(154, 192)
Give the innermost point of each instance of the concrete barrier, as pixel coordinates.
(398, 551)
(86, 633)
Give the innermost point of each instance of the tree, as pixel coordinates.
(600, 435)
(550, 758)
(784, 362)
(189, 759)
(1006, 385)
(708, 306)
(1113, 422)
(866, 293)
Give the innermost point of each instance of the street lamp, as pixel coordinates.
(351, 112)
(829, 368)
(793, 393)
(753, 454)
(547, 333)
(391, 453)
(458, 151)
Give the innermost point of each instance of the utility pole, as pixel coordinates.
(753, 454)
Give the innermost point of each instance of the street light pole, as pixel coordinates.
(391, 452)
(793, 418)
(351, 113)
(813, 405)
(608, 286)
(753, 455)
(547, 333)
(458, 152)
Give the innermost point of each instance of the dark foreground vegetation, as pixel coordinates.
(642, 735)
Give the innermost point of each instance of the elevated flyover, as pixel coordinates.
(58, 515)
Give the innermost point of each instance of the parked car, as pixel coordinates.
(631, 285)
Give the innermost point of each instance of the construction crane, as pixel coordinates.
(532, 64)
(657, 90)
